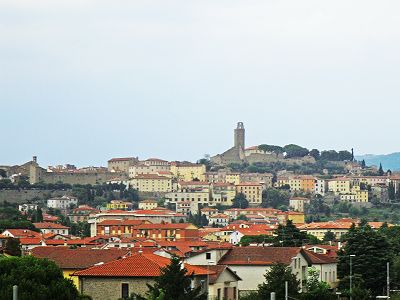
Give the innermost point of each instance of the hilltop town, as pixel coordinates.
(228, 219)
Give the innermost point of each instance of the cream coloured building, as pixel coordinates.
(188, 171)
(252, 191)
(339, 185)
(121, 164)
(148, 204)
(152, 183)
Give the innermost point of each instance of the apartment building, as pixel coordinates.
(152, 183)
(252, 192)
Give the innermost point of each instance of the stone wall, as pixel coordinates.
(103, 288)
(22, 196)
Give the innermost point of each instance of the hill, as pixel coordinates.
(389, 161)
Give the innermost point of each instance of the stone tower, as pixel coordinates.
(239, 136)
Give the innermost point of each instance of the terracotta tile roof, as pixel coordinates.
(318, 259)
(151, 176)
(218, 270)
(23, 233)
(48, 225)
(259, 255)
(55, 242)
(137, 265)
(80, 258)
(167, 226)
(194, 183)
(221, 216)
(30, 241)
(120, 222)
(249, 184)
(148, 201)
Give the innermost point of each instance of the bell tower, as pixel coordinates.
(239, 136)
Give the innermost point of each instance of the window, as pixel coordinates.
(234, 293)
(208, 255)
(125, 290)
(219, 294)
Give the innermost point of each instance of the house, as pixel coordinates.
(118, 227)
(27, 244)
(298, 203)
(223, 283)
(253, 230)
(72, 260)
(167, 231)
(251, 264)
(148, 204)
(119, 278)
(63, 202)
(218, 220)
(81, 213)
(47, 227)
(21, 233)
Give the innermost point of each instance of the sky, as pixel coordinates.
(83, 81)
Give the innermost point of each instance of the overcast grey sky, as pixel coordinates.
(84, 81)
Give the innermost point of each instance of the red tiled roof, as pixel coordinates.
(137, 265)
(318, 259)
(151, 176)
(120, 222)
(259, 255)
(80, 258)
(23, 233)
(166, 226)
(30, 241)
(48, 225)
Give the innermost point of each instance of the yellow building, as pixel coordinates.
(252, 192)
(152, 183)
(307, 183)
(356, 195)
(224, 191)
(339, 185)
(120, 205)
(296, 217)
(282, 181)
(188, 171)
(232, 178)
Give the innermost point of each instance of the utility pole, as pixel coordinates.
(351, 275)
(286, 291)
(15, 292)
(387, 280)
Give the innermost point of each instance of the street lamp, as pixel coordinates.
(351, 274)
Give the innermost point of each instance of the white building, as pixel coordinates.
(63, 202)
(320, 187)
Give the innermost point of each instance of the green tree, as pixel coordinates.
(370, 259)
(275, 282)
(329, 236)
(316, 290)
(391, 191)
(36, 278)
(274, 198)
(363, 165)
(289, 235)
(13, 247)
(380, 170)
(240, 201)
(175, 283)
(315, 153)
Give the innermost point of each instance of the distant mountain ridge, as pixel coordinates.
(389, 161)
